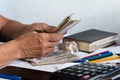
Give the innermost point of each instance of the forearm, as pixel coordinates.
(11, 30)
(9, 52)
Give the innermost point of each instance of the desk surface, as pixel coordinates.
(26, 73)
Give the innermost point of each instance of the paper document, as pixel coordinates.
(59, 56)
(48, 68)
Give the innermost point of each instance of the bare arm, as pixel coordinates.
(23, 42)
(29, 45)
(10, 29)
(8, 53)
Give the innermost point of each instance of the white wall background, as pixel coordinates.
(98, 14)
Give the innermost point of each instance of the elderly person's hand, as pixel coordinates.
(40, 27)
(37, 44)
(10, 29)
(36, 27)
(26, 40)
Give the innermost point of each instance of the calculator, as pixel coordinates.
(87, 71)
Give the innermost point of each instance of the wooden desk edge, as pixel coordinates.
(26, 73)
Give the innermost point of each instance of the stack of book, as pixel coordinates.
(92, 39)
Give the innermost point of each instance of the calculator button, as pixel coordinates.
(100, 68)
(79, 75)
(93, 70)
(79, 71)
(86, 72)
(86, 69)
(65, 72)
(79, 68)
(93, 67)
(105, 68)
(116, 67)
(85, 65)
(93, 74)
(72, 74)
(68, 69)
(86, 77)
(111, 69)
(99, 71)
(105, 72)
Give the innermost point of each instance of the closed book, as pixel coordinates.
(92, 39)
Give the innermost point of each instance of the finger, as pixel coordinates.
(54, 37)
(39, 26)
(44, 27)
(50, 29)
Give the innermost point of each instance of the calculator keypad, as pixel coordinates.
(83, 71)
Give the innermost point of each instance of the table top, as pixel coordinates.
(26, 73)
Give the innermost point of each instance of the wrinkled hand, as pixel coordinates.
(37, 44)
(41, 27)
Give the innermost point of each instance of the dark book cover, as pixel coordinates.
(90, 35)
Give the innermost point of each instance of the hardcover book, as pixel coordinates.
(92, 39)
